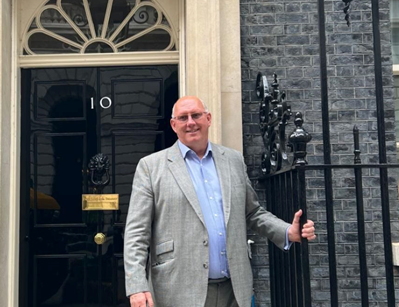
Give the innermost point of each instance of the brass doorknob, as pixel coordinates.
(99, 238)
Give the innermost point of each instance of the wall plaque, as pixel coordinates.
(100, 202)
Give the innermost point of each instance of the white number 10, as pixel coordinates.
(101, 102)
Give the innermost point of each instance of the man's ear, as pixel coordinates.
(173, 124)
(209, 118)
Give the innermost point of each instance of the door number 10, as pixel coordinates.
(109, 104)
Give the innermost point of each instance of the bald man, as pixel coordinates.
(186, 230)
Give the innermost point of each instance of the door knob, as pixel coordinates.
(99, 238)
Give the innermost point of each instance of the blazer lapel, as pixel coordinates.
(223, 170)
(179, 171)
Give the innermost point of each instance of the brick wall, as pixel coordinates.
(282, 37)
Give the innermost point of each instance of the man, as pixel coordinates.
(186, 230)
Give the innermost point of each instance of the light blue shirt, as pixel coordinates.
(207, 186)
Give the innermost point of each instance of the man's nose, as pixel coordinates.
(190, 120)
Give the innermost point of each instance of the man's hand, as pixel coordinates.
(294, 232)
(140, 300)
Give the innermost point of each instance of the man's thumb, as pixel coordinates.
(297, 216)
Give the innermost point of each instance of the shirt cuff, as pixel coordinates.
(288, 244)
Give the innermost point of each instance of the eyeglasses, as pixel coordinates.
(194, 116)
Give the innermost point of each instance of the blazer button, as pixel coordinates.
(205, 242)
(205, 265)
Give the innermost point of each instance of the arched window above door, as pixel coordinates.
(98, 26)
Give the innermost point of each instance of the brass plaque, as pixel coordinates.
(100, 202)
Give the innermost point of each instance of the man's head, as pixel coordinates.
(191, 121)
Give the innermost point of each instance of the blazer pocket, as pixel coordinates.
(163, 252)
(164, 247)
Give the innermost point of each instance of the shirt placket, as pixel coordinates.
(217, 214)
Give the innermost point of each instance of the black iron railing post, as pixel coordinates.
(278, 255)
(304, 242)
(327, 156)
(386, 220)
(291, 260)
(271, 247)
(298, 140)
(285, 216)
(360, 221)
(297, 248)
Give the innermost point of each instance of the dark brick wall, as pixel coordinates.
(282, 37)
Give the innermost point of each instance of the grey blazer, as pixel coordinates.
(166, 247)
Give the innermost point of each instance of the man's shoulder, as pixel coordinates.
(226, 150)
(234, 156)
(159, 155)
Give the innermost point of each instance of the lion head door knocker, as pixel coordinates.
(99, 179)
(99, 172)
(274, 114)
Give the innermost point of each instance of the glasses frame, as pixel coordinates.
(182, 119)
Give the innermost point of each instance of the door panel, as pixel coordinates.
(51, 96)
(57, 178)
(69, 115)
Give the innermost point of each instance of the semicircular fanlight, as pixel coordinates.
(101, 26)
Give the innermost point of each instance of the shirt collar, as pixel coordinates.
(185, 150)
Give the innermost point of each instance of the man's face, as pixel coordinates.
(193, 132)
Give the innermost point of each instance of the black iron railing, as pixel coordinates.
(285, 182)
(286, 193)
(289, 272)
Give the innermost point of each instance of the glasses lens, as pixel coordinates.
(196, 116)
(182, 118)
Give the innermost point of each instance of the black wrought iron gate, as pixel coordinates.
(286, 182)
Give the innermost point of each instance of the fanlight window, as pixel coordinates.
(98, 26)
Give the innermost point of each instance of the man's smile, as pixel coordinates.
(192, 131)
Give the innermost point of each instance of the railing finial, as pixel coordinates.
(357, 145)
(299, 139)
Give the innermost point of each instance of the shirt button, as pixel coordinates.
(222, 253)
(206, 181)
(220, 234)
(211, 197)
(216, 215)
(222, 272)
(205, 242)
(205, 265)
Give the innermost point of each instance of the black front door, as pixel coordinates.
(68, 116)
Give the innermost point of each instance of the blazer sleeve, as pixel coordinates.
(138, 231)
(260, 220)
